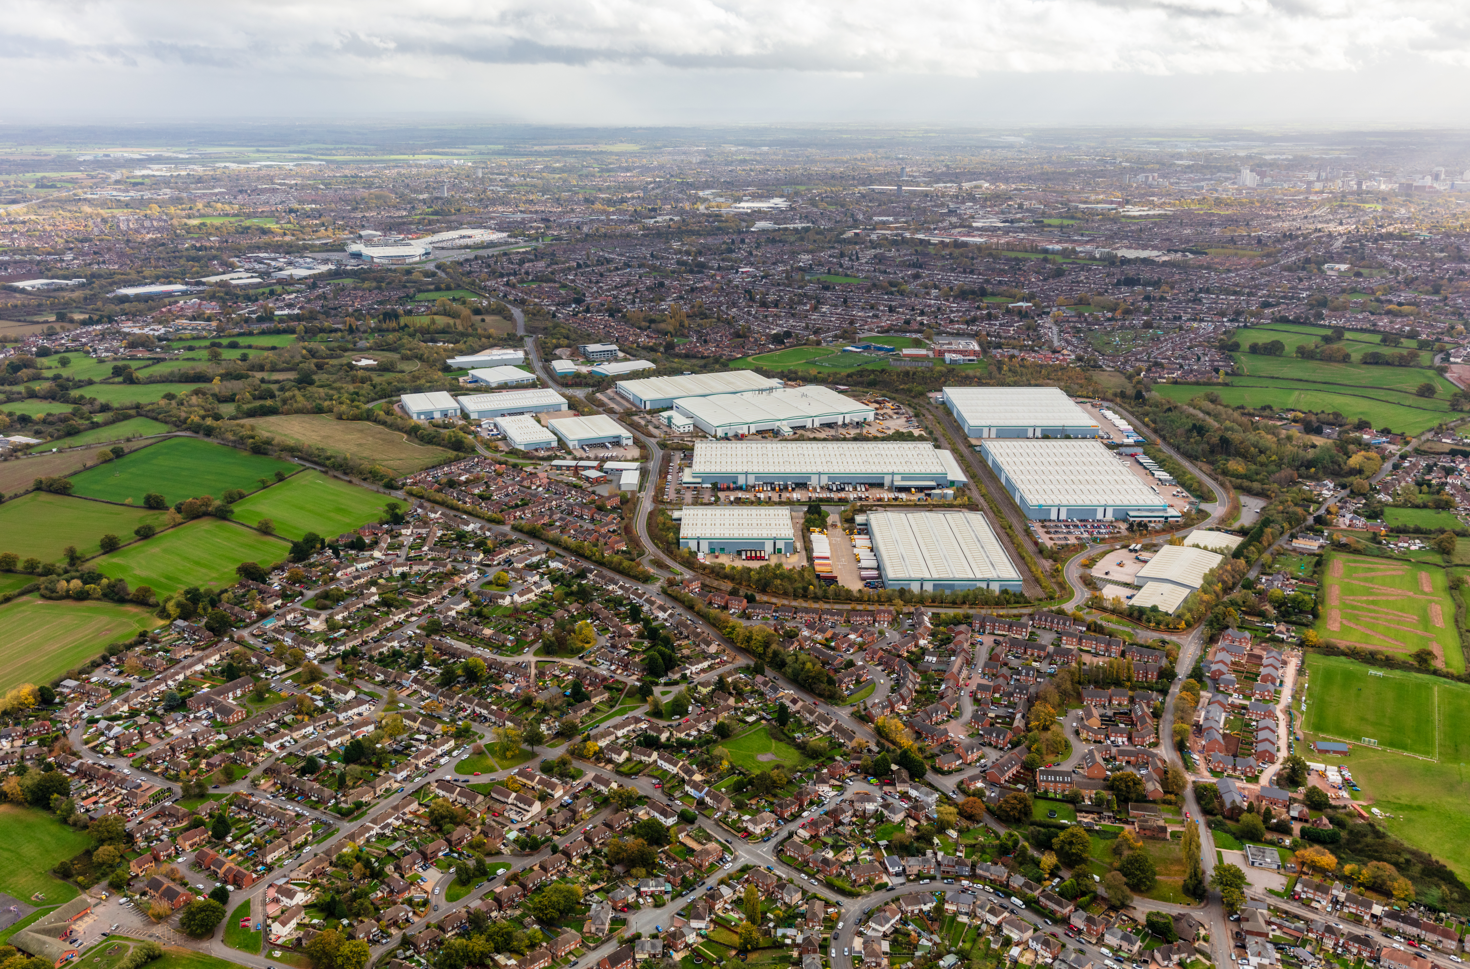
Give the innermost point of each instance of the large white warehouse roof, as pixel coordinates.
(768, 406)
(696, 385)
(508, 399)
(525, 433)
(816, 457)
(597, 427)
(1182, 565)
(938, 546)
(1016, 407)
(736, 522)
(1076, 473)
(500, 376)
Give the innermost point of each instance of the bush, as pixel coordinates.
(1321, 836)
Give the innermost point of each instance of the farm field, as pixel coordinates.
(119, 395)
(1428, 801)
(446, 294)
(80, 367)
(121, 431)
(1391, 605)
(312, 502)
(1354, 376)
(361, 440)
(45, 638)
(34, 842)
(13, 582)
(756, 750)
(1421, 518)
(178, 468)
(42, 525)
(202, 552)
(1375, 406)
(35, 408)
(17, 476)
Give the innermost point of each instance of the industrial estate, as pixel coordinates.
(829, 552)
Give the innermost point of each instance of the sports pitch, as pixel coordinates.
(42, 525)
(178, 468)
(202, 552)
(44, 638)
(312, 502)
(1390, 605)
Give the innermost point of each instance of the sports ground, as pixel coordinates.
(1427, 795)
(178, 468)
(1390, 605)
(312, 502)
(43, 525)
(202, 552)
(44, 638)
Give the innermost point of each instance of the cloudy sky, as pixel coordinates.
(719, 61)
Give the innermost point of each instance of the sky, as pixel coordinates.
(672, 62)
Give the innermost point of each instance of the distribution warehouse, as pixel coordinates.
(1018, 412)
(887, 464)
(780, 410)
(1072, 479)
(747, 532)
(493, 357)
(525, 433)
(1172, 574)
(940, 551)
(431, 406)
(484, 407)
(586, 431)
(659, 393)
(498, 377)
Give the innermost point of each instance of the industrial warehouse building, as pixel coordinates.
(431, 406)
(1072, 479)
(525, 433)
(487, 407)
(616, 368)
(1018, 412)
(493, 357)
(747, 532)
(586, 431)
(659, 393)
(1172, 574)
(498, 377)
(940, 551)
(782, 410)
(885, 464)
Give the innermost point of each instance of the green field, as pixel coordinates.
(1280, 395)
(786, 358)
(81, 367)
(313, 502)
(178, 468)
(33, 844)
(202, 552)
(446, 294)
(44, 638)
(14, 582)
(43, 525)
(1353, 377)
(1427, 800)
(122, 430)
(360, 440)
(130, 395)
(757, 750)
(175, 957)
(35, 408)
(1421, 518)
(240, 938)
(1389, 605)
(830, 278)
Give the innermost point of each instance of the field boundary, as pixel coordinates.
(1312, 708)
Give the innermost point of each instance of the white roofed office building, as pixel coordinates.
(659, 393)
(1072, 480)
(915, 465)
(746, 532)
(525, 433)
(487, 407)
(782, 409)
(493, 357)
(586, 431)
(598, 351)
(498, 377)
(987, 412)
(431, 406)
(943, 551)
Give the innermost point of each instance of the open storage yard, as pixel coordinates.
(1391, 605)
(44, 638)
(179, 468)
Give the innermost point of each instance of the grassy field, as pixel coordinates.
(1351, 376)
(201, 552)
(13, 582)
(1421, 518)
(312, 502)
(446, 294)
(43, 525)
(178, 468)
(122, 430)
(35, 408)
(33, 844)
(1390, 605)
(79, 367)
(830, 278)
(1381, 409)
(175, 957)
(240, 938)
(17, 476)
(44, 637)
(120, 395)
(1428, 801)
(363, 440)
(757, 750)
(786, 358)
